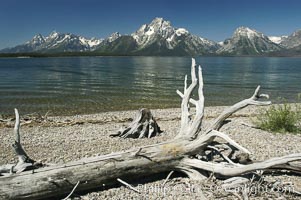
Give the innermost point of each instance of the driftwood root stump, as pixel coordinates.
(143, 126)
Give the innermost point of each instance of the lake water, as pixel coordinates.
(79, 85)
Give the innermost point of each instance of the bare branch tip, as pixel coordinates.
(257, 89)
(193, 61)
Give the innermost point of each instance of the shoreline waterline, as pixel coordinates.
(125, 115)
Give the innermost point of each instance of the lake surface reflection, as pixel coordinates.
(79, 85)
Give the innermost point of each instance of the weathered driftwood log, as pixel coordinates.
(185, 153)
(144, 125)
(24, 161)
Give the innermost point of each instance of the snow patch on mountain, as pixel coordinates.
(91, 43)
(169, 39)
(181, 31)
(94, 42)
(277, 39)
(114, 36)
(66, 37)
(221, 43)
(150, 31)
(83, 40)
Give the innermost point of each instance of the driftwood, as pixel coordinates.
(24, 161)
(185, 153)
(144, 125)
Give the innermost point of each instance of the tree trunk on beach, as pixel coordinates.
(187, 153)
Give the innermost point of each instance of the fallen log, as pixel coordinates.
(185, 153)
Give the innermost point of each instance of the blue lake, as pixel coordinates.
(79, 85)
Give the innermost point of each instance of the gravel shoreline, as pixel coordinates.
(63, 139)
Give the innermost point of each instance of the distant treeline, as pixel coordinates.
(74, 54)
(63, 54)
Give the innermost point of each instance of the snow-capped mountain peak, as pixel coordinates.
(148, 32)
(247, 32)
(296, 33)
(113, 36)
(160, 34)
(58, 42)
(159, 23)
(159, 37)
(37, 40)
(247, 41)
(38, 37)
(157, 20)
(292, 41)
(53, 34)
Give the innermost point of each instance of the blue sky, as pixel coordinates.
(20, 20)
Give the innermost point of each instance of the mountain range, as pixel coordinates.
(161, 38)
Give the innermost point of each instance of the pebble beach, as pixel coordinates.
(62, 139)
